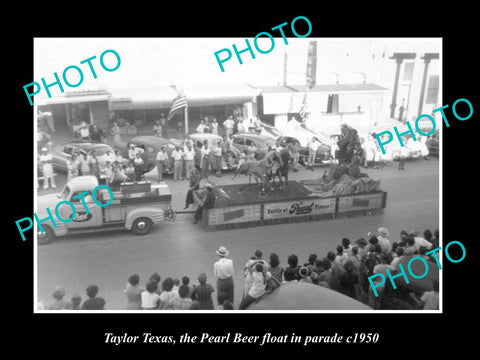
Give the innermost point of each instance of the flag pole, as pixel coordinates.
(186, 120)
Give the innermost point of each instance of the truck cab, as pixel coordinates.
(135, 206)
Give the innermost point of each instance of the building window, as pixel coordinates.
(408, 71)
(432, 89)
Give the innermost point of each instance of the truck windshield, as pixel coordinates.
(65, 192)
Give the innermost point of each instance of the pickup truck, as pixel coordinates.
(136, 207)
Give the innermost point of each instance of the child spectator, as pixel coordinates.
(93, 302)
(355, 258)
(305, 275)
(293, 264)
(341, 257)
(337, 271)
(349, 280)
(325, 276)
(276, 270)
(289, 276)
(399, 251)
(133, 292)
(150, 297)
(430, 299)
(176, 285)
(75, 302)
(186, 282)
(202, 293)
(347, 249)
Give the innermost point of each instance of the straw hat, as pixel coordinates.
(222, 251)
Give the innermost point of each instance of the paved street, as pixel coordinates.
(181, 248)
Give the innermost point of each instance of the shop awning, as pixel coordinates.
(73, 97)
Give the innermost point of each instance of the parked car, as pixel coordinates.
(323, 152)
(151, 146)
(433, 143)
(62, 154)
(261, 143)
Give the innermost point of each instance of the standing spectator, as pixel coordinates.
(177, 156)
(189, 156)
(201, 127)
(72, 167)
(132, 152)
(161, 161)
(337, 271)
(349, 280)
(410, 248)
(228, 125)
(158, 128)
(333, 149)
(295, 154)
(118, 158)
(312, 152)
(384, 243)
(341, 257)
(362, 247)
(325, 277)
(214, 126)
(202, 293)
(292, 262)
(93, 302)
(207, 203)
(260, 276)
(94, 165)
(130, 171)
(355, 258)
(167, 294)
(47, 168)
(164, 123)
(419, 241)
(223, 271)
(59, 303)
(217, 153)
(347, 249)
(401, 159)
(139, 166)
(399, 252)
(204, 154)
(85, 165)
(276, 270)
(150, 297)
(96, 134)
(182, 301)
(83, 131)
(133, 292)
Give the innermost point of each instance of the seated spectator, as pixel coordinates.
(347, 249)
(157, 278)
(167, 295)
(182, 301)
(75, 301)
(186, 281)
(374, 241)
(150, 297)
(403, 238)
(292, 261)
(427, 235)
(60, 303)
(93, 302)
(305, 275)
(260, 275)
(311, 261)
(202, 293)
(341, 257)
(316, 271)
(430, 299)
(419, 241)
(289, 275)
(399, 251)
(349, 280)
(133, 292)
(276, 270)
(410, 248)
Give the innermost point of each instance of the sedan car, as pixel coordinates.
(62, 154)
(323, 152)
(257, 143)
(150, 145)
(433, 143)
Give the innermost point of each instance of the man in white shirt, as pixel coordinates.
(201, 127)
(312, 152)
(384, 243)
(46, 162)
(158, 129)
(217, 153)
(223, 271)
(161, 162)
(177, 156)
(228, 125)
(84, 131)
(189, 157)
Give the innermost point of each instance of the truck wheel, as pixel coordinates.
(142, 226)
(47, 237)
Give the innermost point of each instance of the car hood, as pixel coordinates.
(48, 200)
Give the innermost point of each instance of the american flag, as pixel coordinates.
(179, 102)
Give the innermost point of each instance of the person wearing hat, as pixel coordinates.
(207, 203)
(177, 156)
(223, 271)
(384, 243)
(161, 162)
(47, 168)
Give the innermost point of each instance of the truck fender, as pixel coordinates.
(155, 214)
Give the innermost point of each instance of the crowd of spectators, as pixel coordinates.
(345, 270)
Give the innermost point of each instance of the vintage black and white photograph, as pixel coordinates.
(269, 174)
